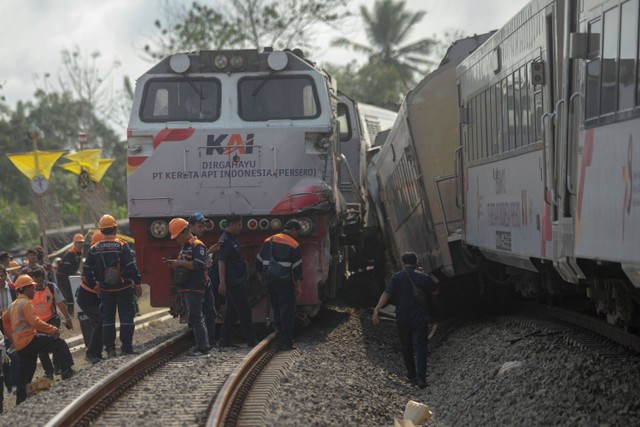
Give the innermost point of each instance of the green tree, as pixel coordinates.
(241, 24)
(370, 83)
(387, 27)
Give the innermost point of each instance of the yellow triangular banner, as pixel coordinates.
(88, 159)
(26, 162)
(96, 176)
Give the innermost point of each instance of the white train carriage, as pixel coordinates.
(245, 132)
(550, 126)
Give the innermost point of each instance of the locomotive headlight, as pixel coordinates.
(220, 61)
(237, 62)
(208, 225)
(305, 225)
(159, 228)
(223, 224)
(252, 224)
(264, 224)
(276, 224)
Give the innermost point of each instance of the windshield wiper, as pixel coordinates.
(262, 83)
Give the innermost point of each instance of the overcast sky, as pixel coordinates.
(34, 32)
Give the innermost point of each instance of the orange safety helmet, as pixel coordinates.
(24, 280)
(107, 221)
(177, 226)
(96, 237)
(78, 238)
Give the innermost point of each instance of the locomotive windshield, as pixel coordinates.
(196, 100)
(282, 97)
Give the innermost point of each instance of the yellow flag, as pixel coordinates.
(26, 162)
(95, 175)
(88, 159)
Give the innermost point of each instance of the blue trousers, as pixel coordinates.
(123, 301)
(413, 336)
(29, 358)
(90, 305)
(209, 313)
(237, 309)
(193, 301)
(283, 305)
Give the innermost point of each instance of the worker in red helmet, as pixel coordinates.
(110, 270)
(30, 336)
(70, 266)
(190, 280)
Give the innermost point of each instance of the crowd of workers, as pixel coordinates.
(35, 294)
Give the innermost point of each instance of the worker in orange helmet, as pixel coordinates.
(110, 270)
(70, 266)
(30, 336)
(90, 318)
(192, 260)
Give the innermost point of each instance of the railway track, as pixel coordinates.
(164, 387)
(594, 333)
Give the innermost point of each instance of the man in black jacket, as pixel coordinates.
(279, 266)
(411, 314)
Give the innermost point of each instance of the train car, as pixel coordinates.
(413, 178)
(550, 130)
(245, 132)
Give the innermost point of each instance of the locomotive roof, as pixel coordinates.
(253, 61)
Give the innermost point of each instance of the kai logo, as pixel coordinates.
(228, 144)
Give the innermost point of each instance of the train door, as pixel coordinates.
(565, 148)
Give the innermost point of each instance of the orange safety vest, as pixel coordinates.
(21, 323)
(44, 303)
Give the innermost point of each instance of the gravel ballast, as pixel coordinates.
(350, 372)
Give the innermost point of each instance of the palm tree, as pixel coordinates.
(386, 27)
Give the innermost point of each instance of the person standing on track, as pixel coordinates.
(279, 267)
(69, 266)
(411, 314)
(47, 300)
(31, 336)
(89, 302)
(233, 271)
(192, 257)
(111, 271)
(196, 227)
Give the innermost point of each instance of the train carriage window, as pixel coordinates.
(511, 117)
(608, 96)
(592, 95)
(344, 120)
(277, 98)
(482, 126)
(505, 116)
(498, 117)
(517, 125)
(537, 112)
(628, 49)
(491, 102)
(196, 100)
(525, 106)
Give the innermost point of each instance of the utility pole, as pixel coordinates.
(38, 186)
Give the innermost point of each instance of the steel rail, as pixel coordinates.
(226, 408)
(90, 404)
(589, 323)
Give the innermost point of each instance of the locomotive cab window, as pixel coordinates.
(195, 100)
(277, 98)
(344, 120)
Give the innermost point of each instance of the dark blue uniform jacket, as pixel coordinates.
(285, 250)
(408, 310)
(235, 263)
(195, 252)
(111, 251)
